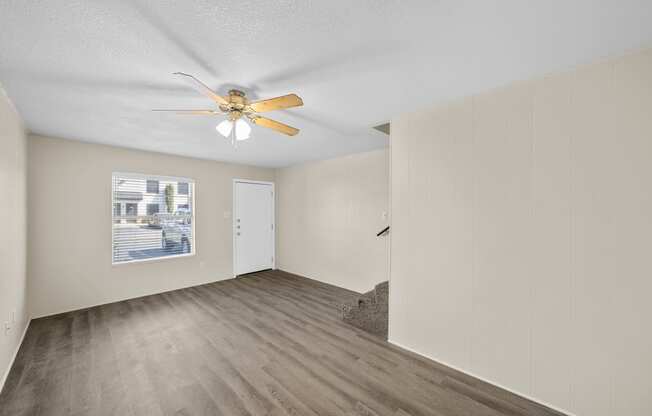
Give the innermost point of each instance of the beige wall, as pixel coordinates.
(328, 215)
(13, 212)
(521, 236)
(70, 224)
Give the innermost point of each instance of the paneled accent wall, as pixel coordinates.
(521, 236)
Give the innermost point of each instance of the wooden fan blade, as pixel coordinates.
(275, 125)
(203, 88)
(286, 101)
(197, 112)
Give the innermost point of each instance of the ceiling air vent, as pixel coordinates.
(383, 128)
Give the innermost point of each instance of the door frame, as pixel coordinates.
(233, 221)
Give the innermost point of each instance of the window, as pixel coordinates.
(117, 208)
(152, 186)
(139, 234)
(131, 211)
(152, 209)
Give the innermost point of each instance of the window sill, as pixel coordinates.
(153, 260)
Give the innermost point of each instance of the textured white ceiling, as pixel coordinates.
(92, 70)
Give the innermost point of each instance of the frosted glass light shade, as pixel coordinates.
(242, 129)
(224, 128)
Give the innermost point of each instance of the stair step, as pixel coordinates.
(369, 312)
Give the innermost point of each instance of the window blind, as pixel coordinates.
(153, 217)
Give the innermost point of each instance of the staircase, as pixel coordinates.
(369, 311)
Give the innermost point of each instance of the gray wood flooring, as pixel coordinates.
(270, 343)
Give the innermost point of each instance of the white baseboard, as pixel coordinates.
(468, 373)
(11, 362)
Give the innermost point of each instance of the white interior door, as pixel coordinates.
(253, 224)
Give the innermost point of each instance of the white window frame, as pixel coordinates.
(193, 246)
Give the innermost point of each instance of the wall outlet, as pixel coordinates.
(13, 316)
(7, 327)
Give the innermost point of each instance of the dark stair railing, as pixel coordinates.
(383, 231)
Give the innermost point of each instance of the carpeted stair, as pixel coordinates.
(369, 311)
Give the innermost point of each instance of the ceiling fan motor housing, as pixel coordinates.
(236, 103)
(233, 115)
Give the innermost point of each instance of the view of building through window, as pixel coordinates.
(152, 217)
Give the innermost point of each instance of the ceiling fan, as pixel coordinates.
(237, 107)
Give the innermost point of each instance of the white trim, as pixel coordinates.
(193, 246)
(468, 373)
(233, 221)
(388, 249)
(154, 259)
(148, 176)
(254, 182)
(13, 359)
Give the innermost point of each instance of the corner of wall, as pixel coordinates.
(13, 285)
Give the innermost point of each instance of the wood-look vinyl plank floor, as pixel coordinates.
(270, 343)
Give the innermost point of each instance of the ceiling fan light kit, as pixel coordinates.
(242, 129)
(237, 108)
(235, 130)
(225, 128)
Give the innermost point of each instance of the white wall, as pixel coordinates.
(328, 215)
(522, 235)
(13, 213)
(70, 224)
